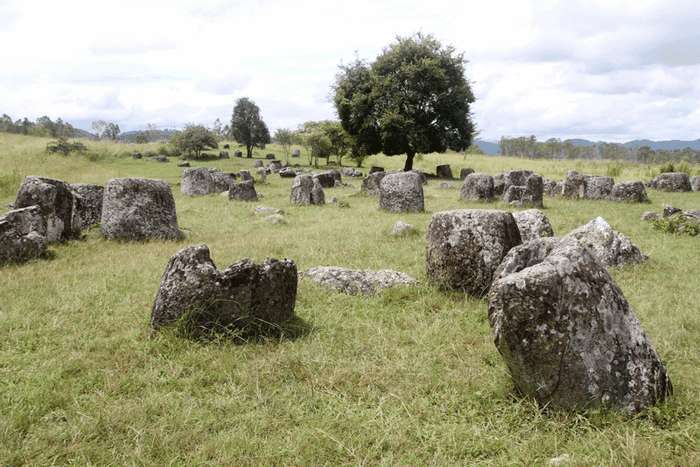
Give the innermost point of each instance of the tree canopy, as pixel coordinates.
(194, 139)
(414, 98)
(248, 127)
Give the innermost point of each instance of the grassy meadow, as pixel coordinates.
(407, 377)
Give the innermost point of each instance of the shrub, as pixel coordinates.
(65, 147)
(678, 224)
(669, 167)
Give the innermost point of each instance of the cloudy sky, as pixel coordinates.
(611, 69)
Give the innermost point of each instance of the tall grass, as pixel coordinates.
(407, 377)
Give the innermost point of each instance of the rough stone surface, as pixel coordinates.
(464, 172)
(630, 192)
(245, 175)
(306, 190)
(275, 166)
(275, 219)
(296, 153)
(532, 224)
(139, 209)
(446, 186)
(370, 184)
(22, 235)
(57, 204)
(574, 186)
(598, 187)
(257, 163)
(610, 247)
(262, 174)
(464, 247)
(551, 187)
(529, 194)
(356, 282)
(197, 182)
(670, 210)
(88, 203)
(402, 228)
(443, 171)
(567, 334)
(327, 179)
(244, 294)
(401, 192)
(650, 216)
(515, 178)
(695, 183)
(477, 187)
(671, 181)
(222, 180)
(499, 184)
(287, 172)
(243, 191)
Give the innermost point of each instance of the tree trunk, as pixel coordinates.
(249, 151)
(408, 166)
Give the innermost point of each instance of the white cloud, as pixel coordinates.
(599, 69)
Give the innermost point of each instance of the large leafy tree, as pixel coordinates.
(413, 99)
(194, 139)
(248, 127)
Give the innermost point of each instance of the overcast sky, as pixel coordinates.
(612, 70)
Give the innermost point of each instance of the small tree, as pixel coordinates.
(141, 137)
(285, 138)
(248, 127)
(105, 129)
(193, 140)
(414, 99)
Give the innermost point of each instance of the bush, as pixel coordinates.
(65, 147)
(678, 224)
(665, 168)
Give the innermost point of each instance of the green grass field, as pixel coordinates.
(410, 376)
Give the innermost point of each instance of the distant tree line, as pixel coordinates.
(43, 126)
(529, 147)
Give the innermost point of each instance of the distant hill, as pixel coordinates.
(669, 145)
(488, 147)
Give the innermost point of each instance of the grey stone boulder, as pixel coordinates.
(515, 178)
(275, 166)
(574, 186)
(370, 184)
(610, 247)
(328, 178)
(695, 183)
(630, 192)
(445, 186)
(197, 182)
(275, 219)
(551, 187)
(598, 187)
(669, 210)
(22, 235)
(88, 203)
(139, 209)
(296, 153)
(567, 334)
(306, 190)
(257, 163)
(357, 282)
(499, 184)
(529, 194)
(477, 187)
(532, 224)
(423, 176)
(262, 174)
(243, 191)
(443, 171)
(464, 172)
(237, 154)
(401, 192)
(267, 210)
(161, 159)
(671, 181)
(245, 175)
(243, 296)
(222, 180)
(464, 248)
(287, 172)
(57, 205)
(401, 229)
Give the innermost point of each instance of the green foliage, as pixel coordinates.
(43, 126)
(193, 140)
(65, 147)
(324, 139)
(285, 138)
(106, 130)
(678, 224)
(141, 137)
(248, 127)
(414, 98)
